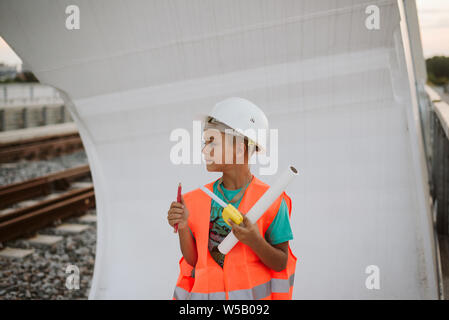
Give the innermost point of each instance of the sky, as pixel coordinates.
(433, 18)
(7, 55)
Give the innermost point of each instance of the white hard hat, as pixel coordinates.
(244, 117)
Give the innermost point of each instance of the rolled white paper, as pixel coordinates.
(261, 206)
(214, 197)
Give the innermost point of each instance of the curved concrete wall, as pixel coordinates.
(338, 93)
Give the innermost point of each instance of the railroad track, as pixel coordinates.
(40, 148)
(27, 220)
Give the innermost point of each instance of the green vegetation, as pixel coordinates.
(26, 76)
(438, 70)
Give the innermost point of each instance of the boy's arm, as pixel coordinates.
(188, 246)
(273, 256)
(178, 214)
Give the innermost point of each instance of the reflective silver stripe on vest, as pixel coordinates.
(208, 296)
(263, 290)
(181, 294)
(256, 293)
(282, 285)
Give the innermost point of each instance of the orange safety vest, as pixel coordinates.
(243, 276)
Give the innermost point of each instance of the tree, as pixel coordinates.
(438, 70)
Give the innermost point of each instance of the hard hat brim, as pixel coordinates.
(204, 117)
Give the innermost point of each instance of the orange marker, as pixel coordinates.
(179, 200)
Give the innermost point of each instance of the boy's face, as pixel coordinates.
(222, 150)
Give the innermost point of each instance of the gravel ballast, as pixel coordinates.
(25, 170)
(42, 274)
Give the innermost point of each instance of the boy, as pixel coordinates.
(261, 266)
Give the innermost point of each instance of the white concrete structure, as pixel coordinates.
(337, 88)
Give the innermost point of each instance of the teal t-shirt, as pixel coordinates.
(279, 230)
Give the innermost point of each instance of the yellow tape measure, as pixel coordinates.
(230, 212)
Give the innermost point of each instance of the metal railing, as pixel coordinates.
(439, 158)
(26, 94)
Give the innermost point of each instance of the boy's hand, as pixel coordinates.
(247, 232)
(178, 214)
